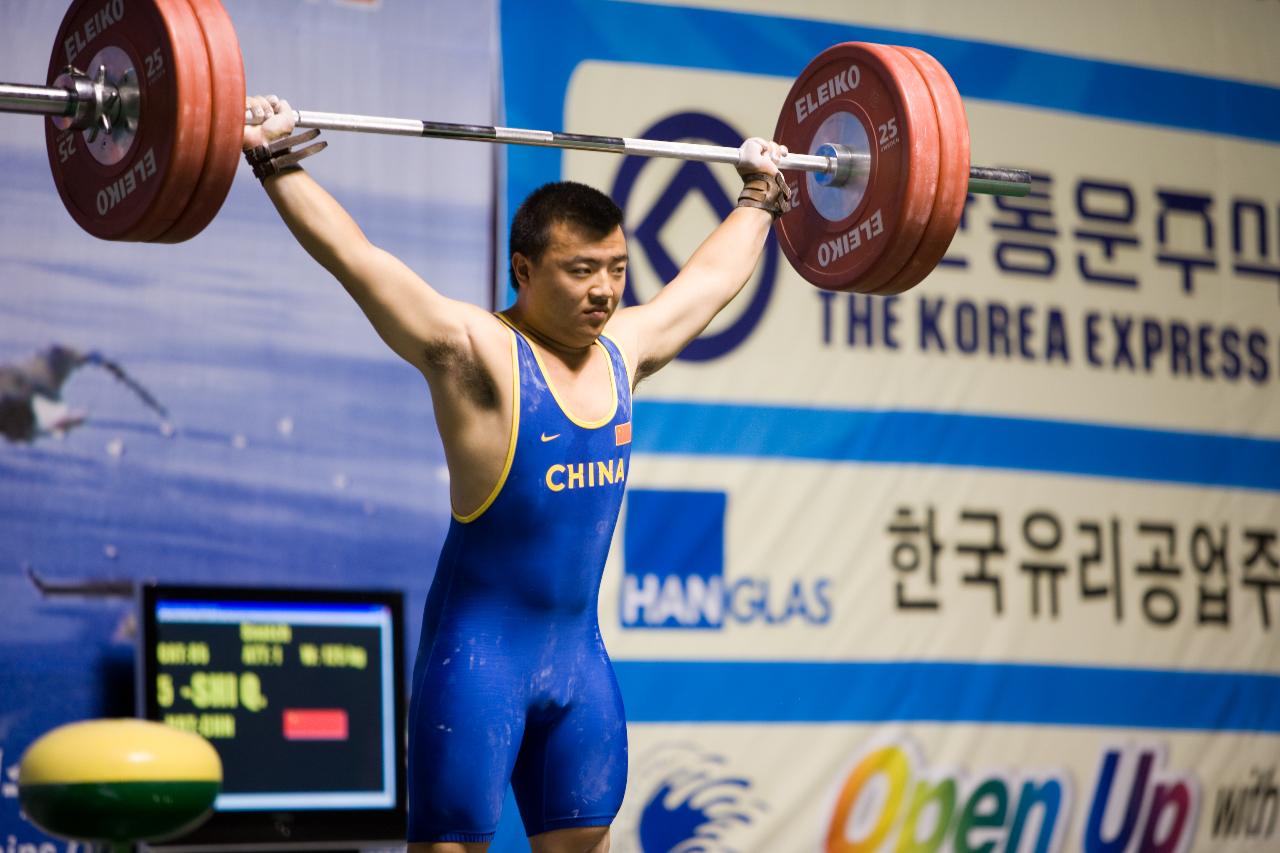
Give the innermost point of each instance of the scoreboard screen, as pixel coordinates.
(299, 691)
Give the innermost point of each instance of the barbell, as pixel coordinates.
(145, 142)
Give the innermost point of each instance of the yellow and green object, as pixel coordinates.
(118, 780)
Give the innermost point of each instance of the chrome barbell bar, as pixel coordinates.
(64, 102)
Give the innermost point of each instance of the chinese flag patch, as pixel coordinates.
(622, 433)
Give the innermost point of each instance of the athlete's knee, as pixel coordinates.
(580, 839)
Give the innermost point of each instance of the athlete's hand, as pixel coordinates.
(271, 118)
(757, 156)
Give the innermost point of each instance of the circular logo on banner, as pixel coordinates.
(693, 177)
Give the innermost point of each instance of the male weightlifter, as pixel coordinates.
(533, 405)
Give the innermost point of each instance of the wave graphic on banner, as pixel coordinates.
(683, 799)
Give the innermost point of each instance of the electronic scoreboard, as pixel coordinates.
(301, 693)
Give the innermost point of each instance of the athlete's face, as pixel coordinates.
(573, 289)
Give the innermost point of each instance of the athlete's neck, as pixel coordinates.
(571, 355)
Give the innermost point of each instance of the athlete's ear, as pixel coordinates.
(520, 269)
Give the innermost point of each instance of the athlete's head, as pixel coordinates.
(586, 208)
(568, 261)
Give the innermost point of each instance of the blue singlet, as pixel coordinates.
(512, 680)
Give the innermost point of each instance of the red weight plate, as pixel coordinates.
(869, 98)
(953, 174)
(226, 127)
(139, 192)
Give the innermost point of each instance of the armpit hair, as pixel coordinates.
(464, 370)
(646, 368)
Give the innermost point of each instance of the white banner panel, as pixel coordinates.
(993, 564)
(1128, 288)
(860, 562)
(927, 788)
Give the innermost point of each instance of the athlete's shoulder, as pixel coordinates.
(622, 333)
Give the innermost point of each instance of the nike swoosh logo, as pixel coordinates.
(546, 437)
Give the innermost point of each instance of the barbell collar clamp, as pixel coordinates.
(83, 103)
(75, 101)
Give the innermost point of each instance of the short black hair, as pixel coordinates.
(563, 201)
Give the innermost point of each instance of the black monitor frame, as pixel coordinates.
(281, 829)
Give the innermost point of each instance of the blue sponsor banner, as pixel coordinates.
(669, 582)
(674, 571)
(858, 692)
(944, 438)
(674, 554)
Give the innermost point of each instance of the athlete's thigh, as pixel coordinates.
(572, 768)
(464, 733)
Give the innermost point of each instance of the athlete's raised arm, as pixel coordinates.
(658, 330)
(413, 319)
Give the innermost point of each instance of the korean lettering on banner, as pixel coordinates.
(1189, 248)
(1254, 253)
(915, 549)
(1099, 565)
(1159, 600)
(1262, 567)
(1108, 233)
(1184, 572)
(1108, 213)
(1042, 532)
(1167, 241)
(1025, 231)
(981, 548)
